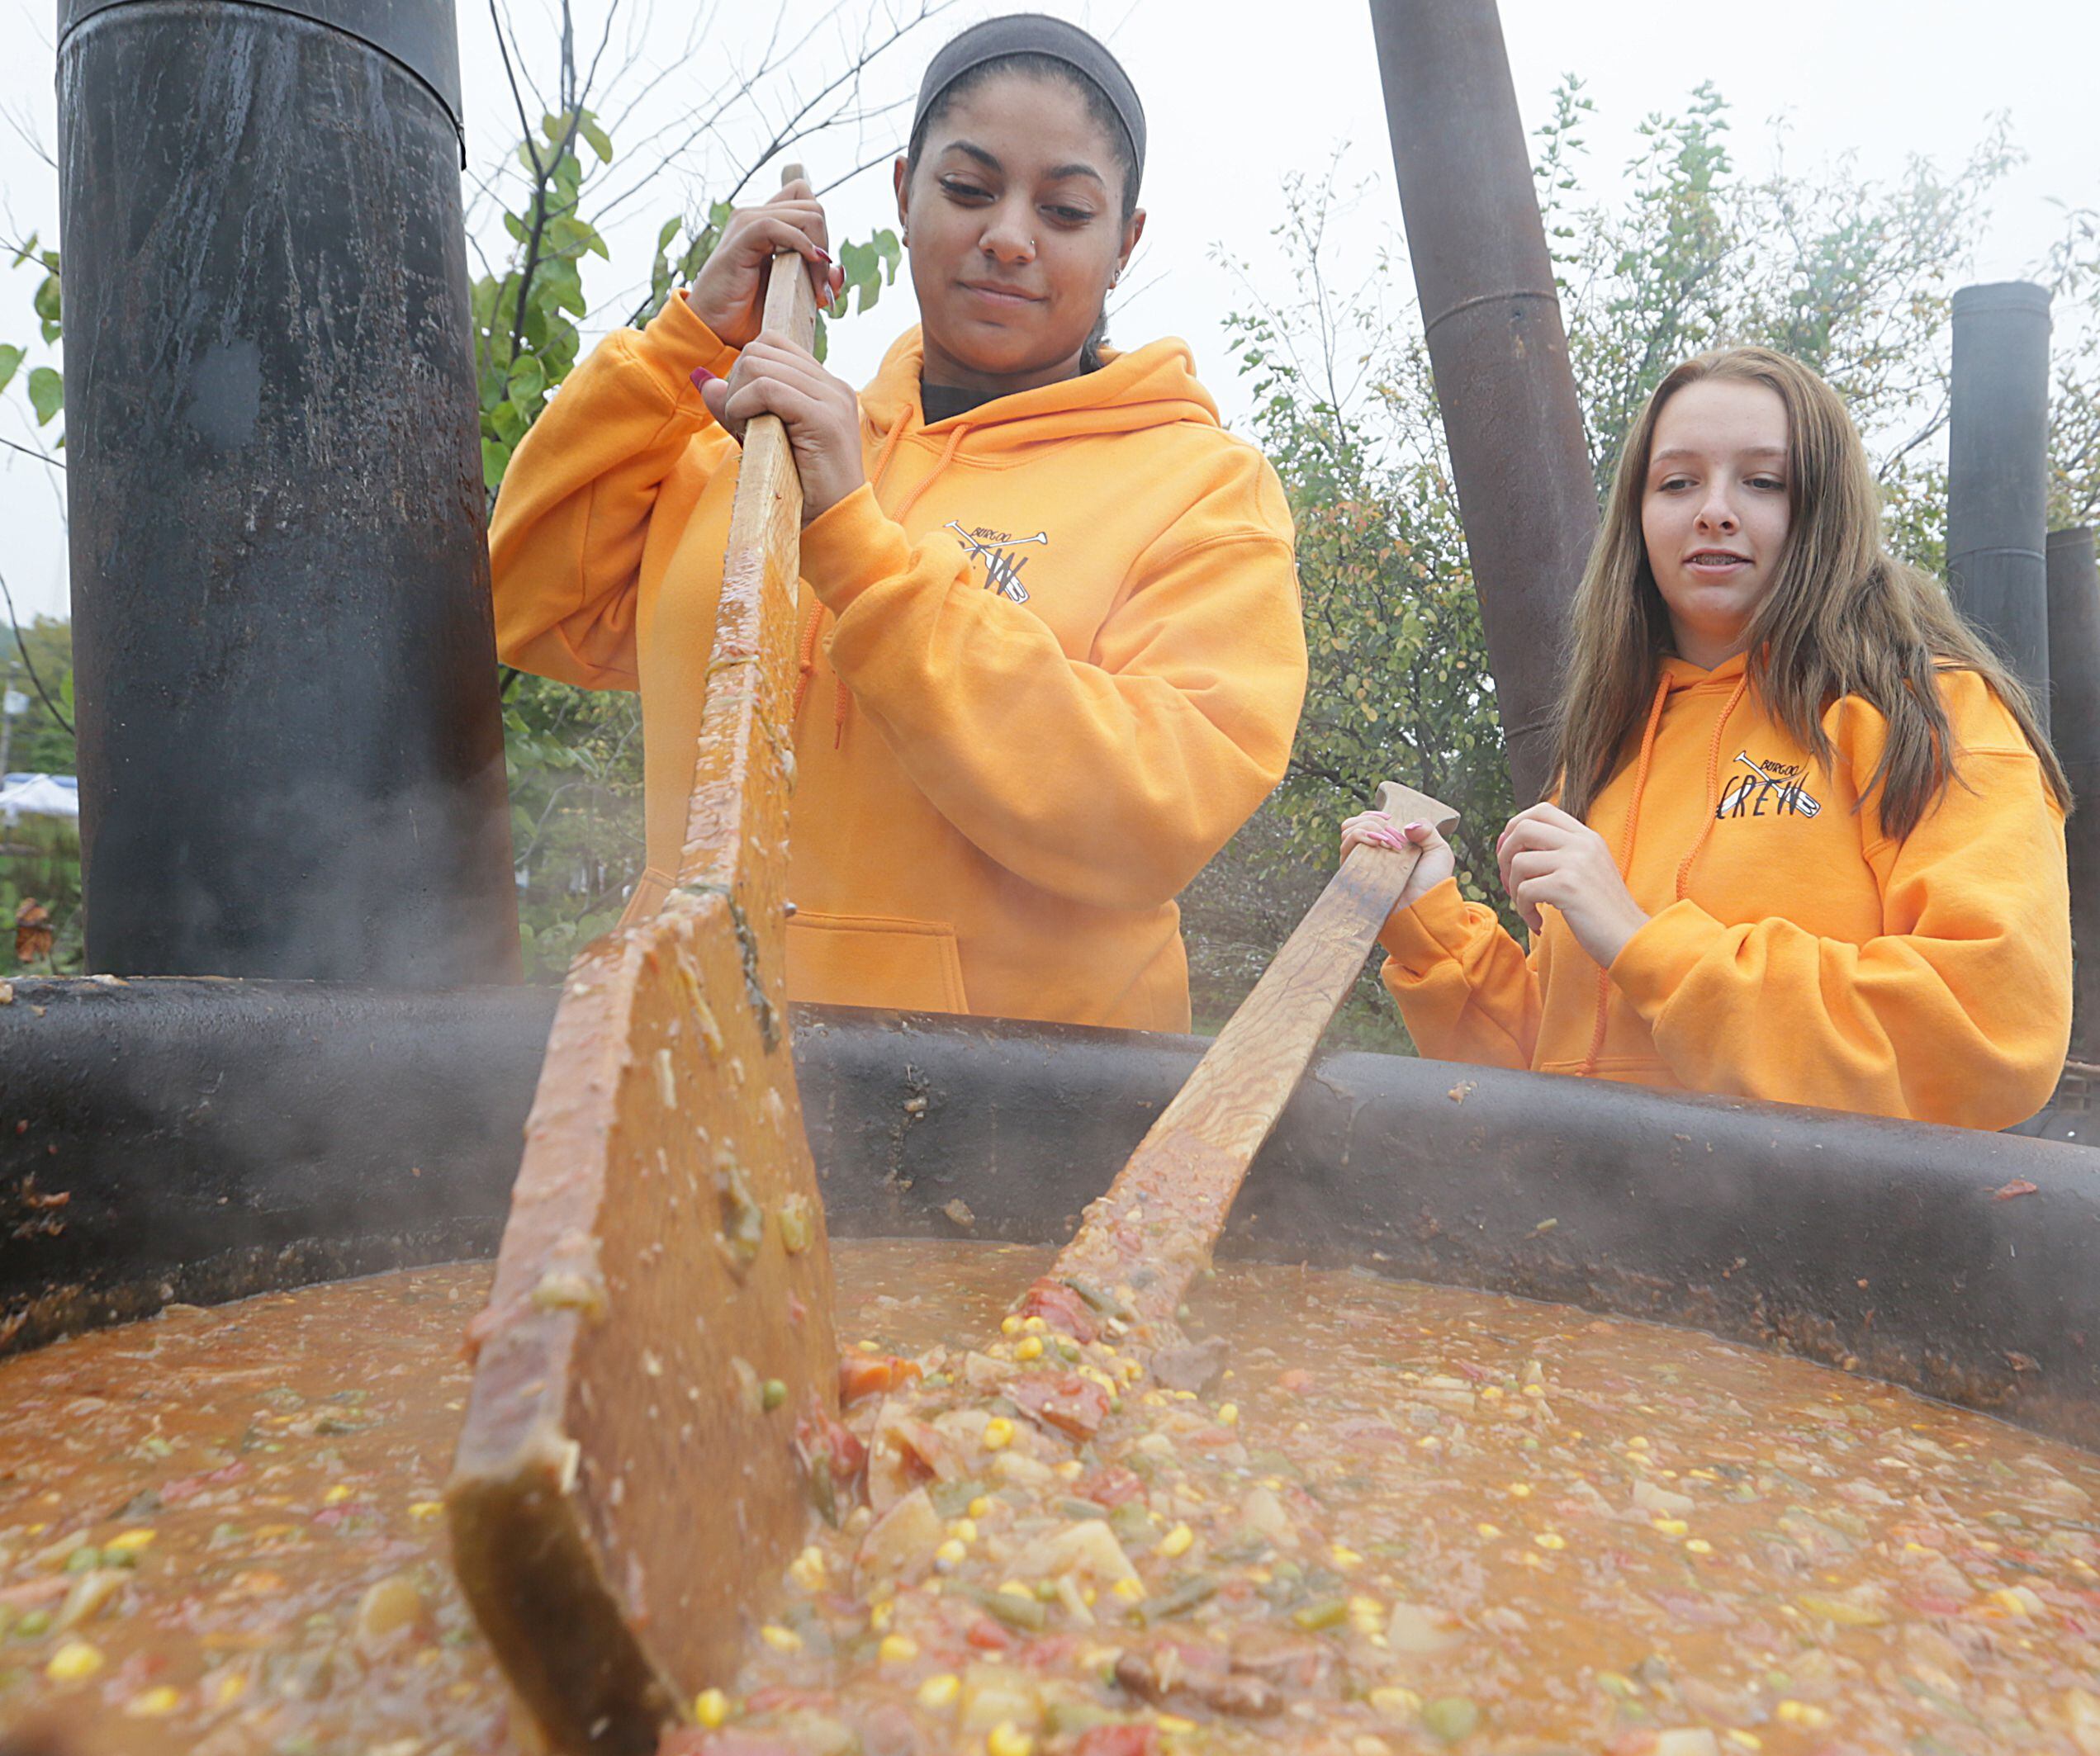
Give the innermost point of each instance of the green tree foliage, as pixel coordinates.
(40, 857)
(1686, 252)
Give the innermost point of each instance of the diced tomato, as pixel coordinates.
(1931, 1604)
(872, 1374)
(1060, 1308)
(688, 1740)
(1051, 1652)
(781, 1696)
(188, 1487)
(834, 1460)
(986, 1635)
(1064, 1400)
(1111, 1485)
(1118, 1740)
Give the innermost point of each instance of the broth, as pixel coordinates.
(1406, 1517)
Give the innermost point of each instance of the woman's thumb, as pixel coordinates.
(715, 393)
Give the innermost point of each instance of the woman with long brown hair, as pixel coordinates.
(1807, 841)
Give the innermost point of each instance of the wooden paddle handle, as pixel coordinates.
(1405, 805)
(768, 506)
(1151, 1234)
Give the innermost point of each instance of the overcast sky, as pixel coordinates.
(1237, 98)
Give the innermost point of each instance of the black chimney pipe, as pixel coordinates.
(1497, 347)
(1997, 473)
(2074, 729)
(290, 742)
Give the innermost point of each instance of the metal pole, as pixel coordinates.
(2075, 689)
(1997, 464)
(1497, 347)
(291, 745)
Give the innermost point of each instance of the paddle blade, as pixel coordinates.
(660, 1322)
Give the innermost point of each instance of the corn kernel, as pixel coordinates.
(153, 1703)
(424, 1510)
(130, 1542)
(711, 1708)
(1229, 1414)
(1699, 1546)
(962, 1530)
(999, 1433)
(780, 1639)
(951, 1552)
(1009, 1325)
(1520, 1490)
(1034, 1326)
(1177, 1542)
(898, 1648)
(228, 1689)
(1535, 1390)
(73, 1662)
(937, 1692)
(1490, 1392)
(1006, 1739)
(1069, 1469)
(1636, 1443)
(1344, 1557)
(1129, 1590)
(1745, 1740)
(807, 1568)
(1394, 1700)
(338, 1494)
(1804, 1714)
(1550, 1539)
(1670, 1527)
(867, 1347)
(1173, 1722)
(1491, 1531)
(1028, 1347)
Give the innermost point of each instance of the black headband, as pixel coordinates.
(1034, 33)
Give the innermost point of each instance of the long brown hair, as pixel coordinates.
(1843, 616)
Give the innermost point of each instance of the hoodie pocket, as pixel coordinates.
(875, 960)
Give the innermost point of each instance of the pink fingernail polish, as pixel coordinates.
(1410, 829)
(825, 258)
(702, 375)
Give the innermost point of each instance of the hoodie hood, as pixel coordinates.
(1154, 385)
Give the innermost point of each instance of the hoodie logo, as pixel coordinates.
(1770, 789)
(1001, 566)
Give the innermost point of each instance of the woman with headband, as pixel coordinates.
(1053, 655)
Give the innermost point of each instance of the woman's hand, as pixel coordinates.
(1549, 857)
(728, 295)
(1374, 829)
(774, 376)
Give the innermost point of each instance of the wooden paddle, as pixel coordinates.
(1142, 1243)
(661, 1324)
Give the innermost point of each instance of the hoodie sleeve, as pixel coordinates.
(565, 545)
(1466, 990)
(1960, 1012)
(1110, 780)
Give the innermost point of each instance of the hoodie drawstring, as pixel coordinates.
(1633, 825)
(842, 697)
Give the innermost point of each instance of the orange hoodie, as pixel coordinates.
(1053, 657)
(1795, 952)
